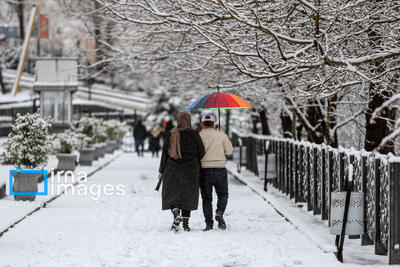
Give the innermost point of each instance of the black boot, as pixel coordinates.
(177, 220)
(209, 226)
(220, 219)
(185, 224)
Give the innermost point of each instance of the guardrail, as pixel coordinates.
(310, 173)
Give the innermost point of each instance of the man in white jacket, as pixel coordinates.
(213, 172)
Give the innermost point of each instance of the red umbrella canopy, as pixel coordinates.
(219, 101)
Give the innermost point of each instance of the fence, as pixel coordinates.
(309, 173)
(6, 123)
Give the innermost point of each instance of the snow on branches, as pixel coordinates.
(28, 144)
(327, 61)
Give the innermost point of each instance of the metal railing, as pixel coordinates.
(309, 173)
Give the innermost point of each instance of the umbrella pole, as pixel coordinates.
(219, 119)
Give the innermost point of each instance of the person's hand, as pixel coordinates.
(160, 176)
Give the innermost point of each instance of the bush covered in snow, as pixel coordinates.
(82, 141)
(115, 129)
(93, 128)
(28, 145)
(66, 142)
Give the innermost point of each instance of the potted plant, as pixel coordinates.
(27, 147)
(112, 130)
(116, 131)
(86, 153)
(87, 126)
(122, 129)
(100, 137)
(63, 145)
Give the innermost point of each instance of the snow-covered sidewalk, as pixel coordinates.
(12, 211)
(312, 226)
(131, 230)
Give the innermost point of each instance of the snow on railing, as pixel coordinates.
(309, 173)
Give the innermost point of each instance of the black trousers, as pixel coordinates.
(217, 178)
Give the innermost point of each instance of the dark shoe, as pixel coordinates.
(177, 220)
(208, 227)
(185, 224)
(175, 228)
(221, 222)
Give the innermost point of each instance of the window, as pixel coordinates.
(55, 105)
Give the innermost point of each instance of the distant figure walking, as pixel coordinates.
(180, 171)
(139, 133)
(155, 133)
(213, 172)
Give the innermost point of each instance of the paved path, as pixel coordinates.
(131, 230)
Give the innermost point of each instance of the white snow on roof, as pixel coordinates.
(21, 96)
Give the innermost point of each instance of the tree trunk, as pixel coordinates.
(376, 131)
(294, 129)
(314, 116)
(299, 130)
(286, 124)
(264, 122)
(330, 122)
(254, 119)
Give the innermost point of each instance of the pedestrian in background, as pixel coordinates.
(155, 133)
(139, 134)
(180, 171)
(213, 173)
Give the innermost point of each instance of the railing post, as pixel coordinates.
(301, 173)
(316, 209)
(281, 165)
(285, 168)
(309, 203)
(291, 176)
(394, 213)
(324, 210)
(365, 240)
(296, 173)
(329, 182)
(254, 153)
(275, 150)
(266, 151)
(379, 248)
(352, 161)
(341, 171)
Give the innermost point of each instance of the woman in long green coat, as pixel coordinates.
(180, 171)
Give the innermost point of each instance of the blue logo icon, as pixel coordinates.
(18, 170)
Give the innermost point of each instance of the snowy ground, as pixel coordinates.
(311, 225)
(12, 211)
(131, 230)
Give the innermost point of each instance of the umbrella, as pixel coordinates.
(219, 101)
